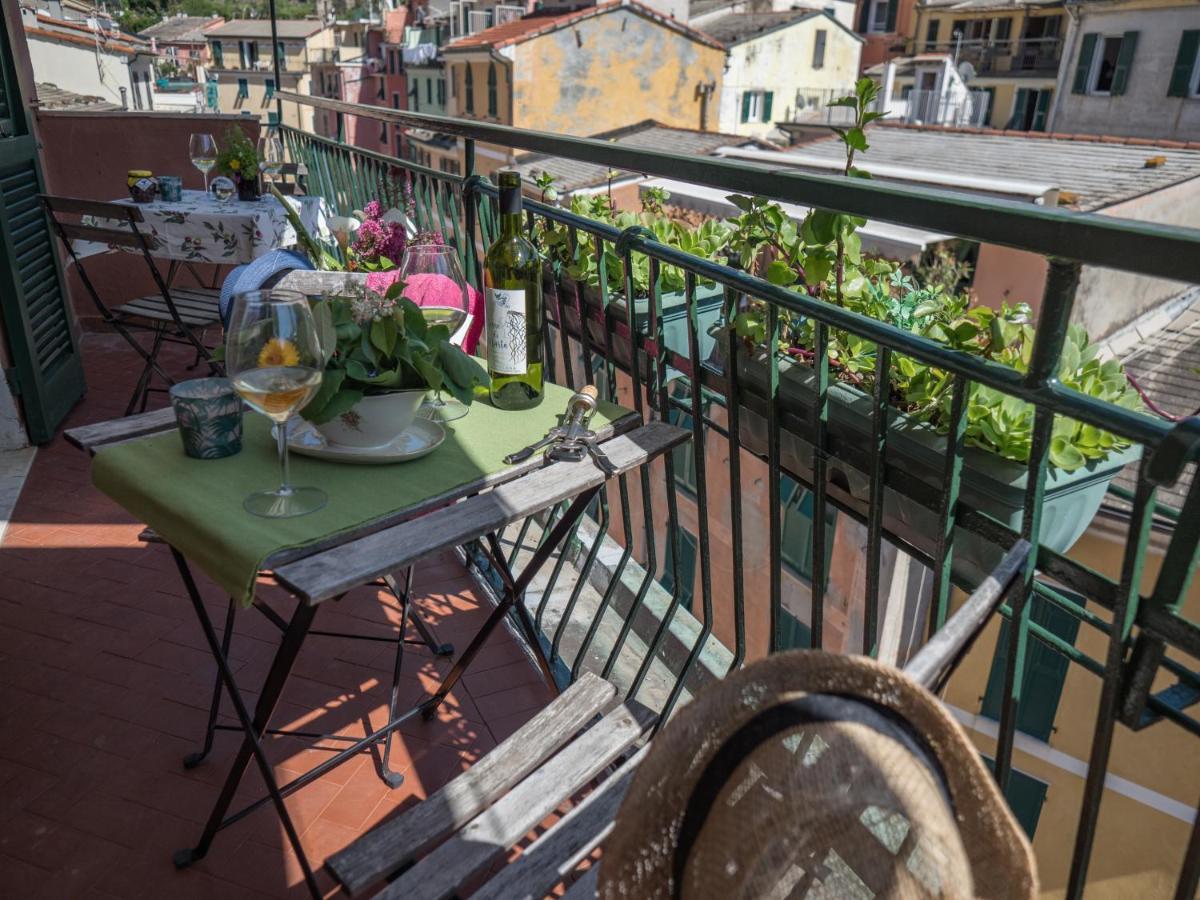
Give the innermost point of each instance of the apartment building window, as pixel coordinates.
(218, 55)
(415, 93)
(1002, 29)
(248, 54)
(396, 100)
(1044, 674)
(680, 575)
(243, 89)
(281, 55)
(796, 520)
(819, 49)
(382, 93)
(270, 92)
(429, 91)
(880, 16)
(469, 89)
(493, 105)
(1030, 108)
(1185, 76)
(931, 33)
(756, 106)
(1104, 63)
(383, 133)
(441, 91)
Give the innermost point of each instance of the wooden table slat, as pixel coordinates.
(322, 575)
(92, 437)
(395, 843)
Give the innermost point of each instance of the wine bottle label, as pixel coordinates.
(507, 351)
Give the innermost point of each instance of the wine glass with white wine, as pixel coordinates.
(433, 280)
(270, 155)
(274, 358)
(203, 152)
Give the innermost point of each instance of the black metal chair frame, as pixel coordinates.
(175, 331)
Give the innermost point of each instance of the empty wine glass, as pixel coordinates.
(434, 281)
(274, 358)
(203, 151)
(270, 154)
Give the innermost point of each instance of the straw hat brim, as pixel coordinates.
(638, 855)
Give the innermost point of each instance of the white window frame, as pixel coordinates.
(1097, 58)
(754, 113)
(877, 16)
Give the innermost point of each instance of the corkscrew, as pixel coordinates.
(571, 440)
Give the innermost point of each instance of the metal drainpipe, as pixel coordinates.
(1065, 73)
(275, 63)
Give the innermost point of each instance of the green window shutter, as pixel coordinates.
(1083, 68)
(892, 8)
(793, 634)
(1045, 670)
(1124, 63)
(243, 89)
(767, 98)
(270, 85)
(1025, 795)
(1185, 64)
(991, 106)
(864, 12)
(1040, 111)
(272, 118)
(819, 49)
(746, 106)
(1019, 109)
(218, 54)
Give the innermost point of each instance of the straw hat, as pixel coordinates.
(813, 775)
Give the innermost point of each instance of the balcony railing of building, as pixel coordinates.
(1024, 56)
(627, 607)
(465, 19)
(913, 106)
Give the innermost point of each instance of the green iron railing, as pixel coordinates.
(630, 346)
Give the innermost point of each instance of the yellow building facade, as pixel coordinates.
(1013, 52)
(583, 73)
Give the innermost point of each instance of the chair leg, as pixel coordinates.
(141, 392)
(194, 759)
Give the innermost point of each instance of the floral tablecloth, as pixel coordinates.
(200, 228)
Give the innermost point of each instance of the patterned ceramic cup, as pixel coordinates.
(209, 414)
(170, 188)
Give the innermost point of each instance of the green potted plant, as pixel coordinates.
(822, 257)
(382, 358)
(238, 159)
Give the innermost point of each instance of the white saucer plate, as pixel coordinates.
(421, 438)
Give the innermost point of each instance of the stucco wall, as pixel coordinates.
(256, 104)
(782, 62)
(1144, 110)
(880, 47)
(1108, 299)
(74, 67)
(612, 70)
(1006, 275)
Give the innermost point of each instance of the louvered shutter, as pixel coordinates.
(1083, 68)
(47, 372)
(767, 98)
(1019, 109)
(746, 106)
(1185, 64)
(1124, 63)
(1040, 110)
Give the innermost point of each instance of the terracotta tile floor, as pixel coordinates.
(105, 682)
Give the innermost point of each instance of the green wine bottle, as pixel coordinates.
(513, 315)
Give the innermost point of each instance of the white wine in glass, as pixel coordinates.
(274, 359)
(270, 155)
(203, 152)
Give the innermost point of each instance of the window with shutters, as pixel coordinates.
(243, 89)
(493, 104)
(931, 34)
(1185, 75)
(1045, 670)
(218, 55)
(1104, 64)
(819, 49)
(469, 89)
(441, 92)
(877, 16)
(1108, 51)
(756, 106)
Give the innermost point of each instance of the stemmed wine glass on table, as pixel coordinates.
(274, 358)
(270, 155)
(203, 152)
(434, 280)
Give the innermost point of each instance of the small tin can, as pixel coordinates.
(170, 188)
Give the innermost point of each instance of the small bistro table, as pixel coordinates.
(201, 229)
(428, 513)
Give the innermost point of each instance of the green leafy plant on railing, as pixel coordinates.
(707, 241)
(822, 257)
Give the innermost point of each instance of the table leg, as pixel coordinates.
(514, 588)
(254, 729)
(194, 759)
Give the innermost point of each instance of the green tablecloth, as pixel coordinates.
(196, 505)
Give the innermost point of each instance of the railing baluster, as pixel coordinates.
(775, 517)
(880, 405)
(951, 482)
(820, 503)
(733, 392)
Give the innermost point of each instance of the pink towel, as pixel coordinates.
(431, 289)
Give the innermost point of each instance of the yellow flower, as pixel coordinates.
(235, 164)
(278, 352)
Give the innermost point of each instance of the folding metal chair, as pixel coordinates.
(176, 315)
(298, 185)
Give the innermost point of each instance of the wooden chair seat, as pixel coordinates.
(197, 307)
(454, 838)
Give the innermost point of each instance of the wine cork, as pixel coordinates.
(590, 391)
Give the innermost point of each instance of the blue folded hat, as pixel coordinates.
(264, 272)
